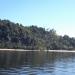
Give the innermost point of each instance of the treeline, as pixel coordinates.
(15, 35)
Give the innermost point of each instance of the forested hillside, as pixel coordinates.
(15, 35)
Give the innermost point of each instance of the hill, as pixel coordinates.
(15, 35)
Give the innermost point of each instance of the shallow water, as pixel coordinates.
(36, 63)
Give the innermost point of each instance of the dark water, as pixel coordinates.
(36, 63)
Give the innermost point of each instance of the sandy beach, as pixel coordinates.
(37, 50)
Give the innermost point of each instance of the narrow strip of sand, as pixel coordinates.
(16, 50)
(61, 50)
(37, 50)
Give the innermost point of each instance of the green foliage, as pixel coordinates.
(14, 35)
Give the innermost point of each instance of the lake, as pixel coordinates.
(36, 63)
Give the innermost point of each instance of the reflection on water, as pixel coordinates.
(36, 63)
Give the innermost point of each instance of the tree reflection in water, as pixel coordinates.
(31, 63)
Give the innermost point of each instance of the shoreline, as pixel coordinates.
(37, 50)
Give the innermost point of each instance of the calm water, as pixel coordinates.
(36, 63)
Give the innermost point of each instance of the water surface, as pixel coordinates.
(36, 63)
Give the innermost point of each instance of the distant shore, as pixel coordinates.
(37, 50)
(61, 50)
(16, 50)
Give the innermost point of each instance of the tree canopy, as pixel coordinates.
(15, 35)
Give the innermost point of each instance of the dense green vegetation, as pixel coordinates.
(14, 35)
